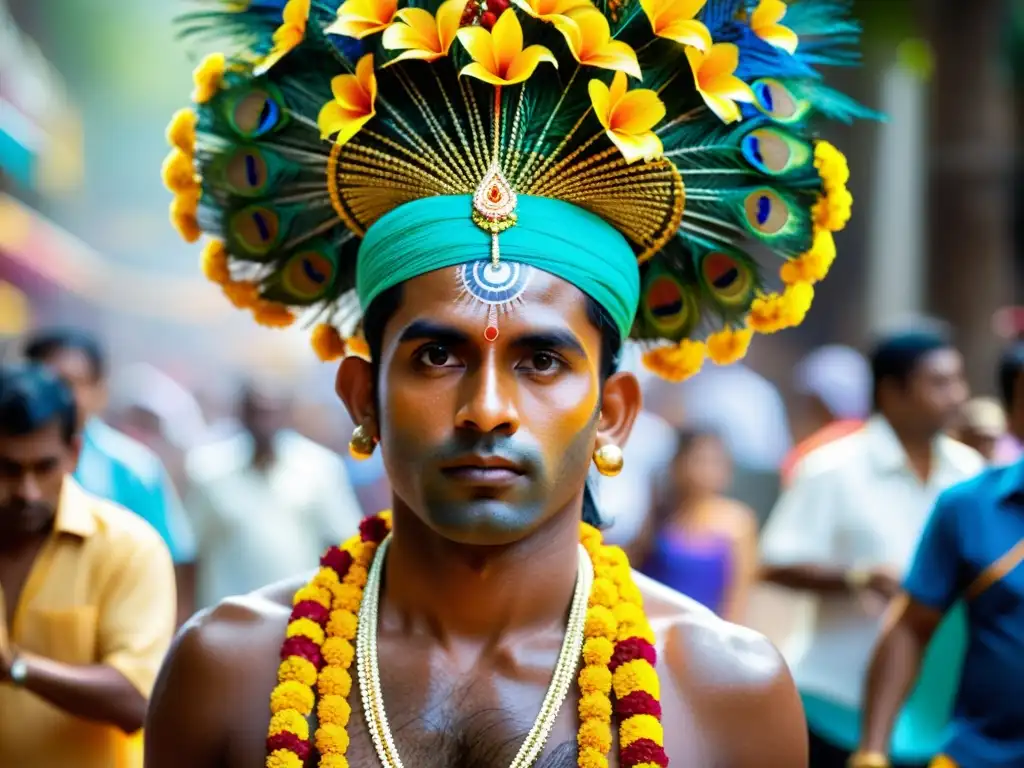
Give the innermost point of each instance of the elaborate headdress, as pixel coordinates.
(655, 153)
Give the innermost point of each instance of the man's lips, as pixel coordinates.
(483, 470)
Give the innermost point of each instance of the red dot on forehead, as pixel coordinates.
(491, 333)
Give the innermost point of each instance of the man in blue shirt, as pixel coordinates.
(112, 465)
(972, 548)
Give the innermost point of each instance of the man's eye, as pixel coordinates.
(543, 362)
(437, 357)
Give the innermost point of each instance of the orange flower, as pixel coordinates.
(422, 36)
(214, 263)
(729, 345)
(353, 105)
(676, 363)
(677, 20)
(589, 37)
(327, 342)
(289, 35)
(361, 18)
(764, 21)
(498, 56)
(713, 73)
(628, 117)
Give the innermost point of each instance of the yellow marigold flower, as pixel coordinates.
(596, 706)
(831, 164)
(333, 761)
(603, 592)
(178, 173)
(283, 758)
(243, 294)
(207, 77)
(598, 651)
(338, 652)
(600, 622)
(327, 579)
(331, 740)
(777, 311)
(729, 345)
(591, 758)
(641, 727)
(356, 575)
(298, 669)
(292, 695)
(630, 593)
(625, 613)
(613, 557)
(181, 131)
(334, 710)
(289, 721)
(676, 363)
(832, 210)
(334, 681)
(642, 631)
(313, 594)
(214, 263)
(636, 675)
(270, 314)
(184, 219)
(305, 628)
(342, 625)
(595, 680)
(814, 265)
(596, 735)
(327, 342)
(347, 598)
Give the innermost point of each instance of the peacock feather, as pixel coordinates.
(686, 124)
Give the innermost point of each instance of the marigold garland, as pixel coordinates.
(618, 657)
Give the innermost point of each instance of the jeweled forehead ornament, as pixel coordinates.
(494, 207)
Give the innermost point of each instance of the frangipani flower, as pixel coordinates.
(764, 21)
(421, 36)
(353, 105)
(289, 35)
(676, 20)
(498, 55)
(549, 10)
(628, 117)
(589, 37)
(361, 18)
(713, 75)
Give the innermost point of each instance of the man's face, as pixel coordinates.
(486, 441)
(75, 368)
(936, 391)
(32, 469)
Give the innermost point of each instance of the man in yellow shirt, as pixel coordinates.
(87, 597)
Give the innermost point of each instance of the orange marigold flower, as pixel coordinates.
(298, 669)
(591, 758)
(729, 345)
(636, 675)
(594, 734)
(357, 346)
(356, 575)
(272, 315)
(338, 652)
(214, 263)
(292, 695)
(331, 739)
(598, 651)
(595, 680)
(327, 342)
(289, 721)
(641, 727)
(596, 706)
(677, 362)
(334, 681)
(241, 293)
(334, 709)
(600, 622)
(347, 598)
(342, 625)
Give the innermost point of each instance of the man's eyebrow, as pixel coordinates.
(424, 330)
(550, 338)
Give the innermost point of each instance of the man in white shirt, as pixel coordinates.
(265, 502)
(847, 527)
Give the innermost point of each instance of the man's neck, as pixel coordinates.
(481, 593)
(918, 445)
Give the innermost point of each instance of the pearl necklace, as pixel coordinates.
(368, 668)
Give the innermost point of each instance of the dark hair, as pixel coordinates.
(896, 356)
(45, 344)
(1011, 366)
(687, 439)
(31, 397)
(387, 303)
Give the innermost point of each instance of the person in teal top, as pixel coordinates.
(112, 465)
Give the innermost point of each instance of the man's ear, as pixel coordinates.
(620, 405)
(354, 385)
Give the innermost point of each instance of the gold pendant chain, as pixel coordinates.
(368, 670)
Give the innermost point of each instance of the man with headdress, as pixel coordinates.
(479, 239)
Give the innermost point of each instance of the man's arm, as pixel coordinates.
(932, 585)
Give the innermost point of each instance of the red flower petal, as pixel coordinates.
(630, 649)
(303, 647)
(373, 529)
(337, 560)
(308, 609)
(288, 741)
(642, 751)
(638, 703)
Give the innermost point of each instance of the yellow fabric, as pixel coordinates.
(101, 592)
(942, 762)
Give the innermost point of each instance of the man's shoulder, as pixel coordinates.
(126, 453)
(963, 459)
(110, 525)
(834, 458)
(980, 489)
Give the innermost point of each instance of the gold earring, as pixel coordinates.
(609, 460)
(362, 444)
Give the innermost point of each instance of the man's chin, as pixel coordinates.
(483, 522)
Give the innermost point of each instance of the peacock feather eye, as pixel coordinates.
(668, 307)
(308, 276)
(256, 229)
(779, 103)
(246, 172)
(765, 212)
(775, 152)
(256, 112)
(728, 280)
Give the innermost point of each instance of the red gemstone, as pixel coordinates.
(337, 560)
(638, 703)
(494, 194)
(642, 751)
(289, 741)
(630, 649)
(488, 20)
(308, 609)
(491, 333)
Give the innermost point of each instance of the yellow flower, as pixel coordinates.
(331, 739)
(207, 77)
(729, 345)
(183, 216)
(181, 131)
(550, 10)
(715, 81)
(334, 681)
(498, 56)
(628, 117)
(283, 758)
(600, 622)
(292, 695)
(298, 669)
(598, 650)
(641, 631)
(422, 36)
(764, 21)
(641, 727)
(356, 575)
(305, 628)
(342, 625)
(313, 594)
(327, 342)
(676, 363)
(243, 294)
(589, 38)
(594, 734)
(354, 103)
(591, 758)
(347, 598)
(812, 266)
(289, 35)
(357, 346)
(595, 706)
(334, 710)
(338, 652)
(178, 173)
(633, 676)
(833, 210)
(333, 761)
(214, 262)
(603, 592)
(360, 18)
(677, 20)
(289, 721)
(595, 680)
(775, 311)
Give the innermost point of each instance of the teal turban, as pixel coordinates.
(554, 236)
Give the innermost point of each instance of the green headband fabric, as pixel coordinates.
(554, 236)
